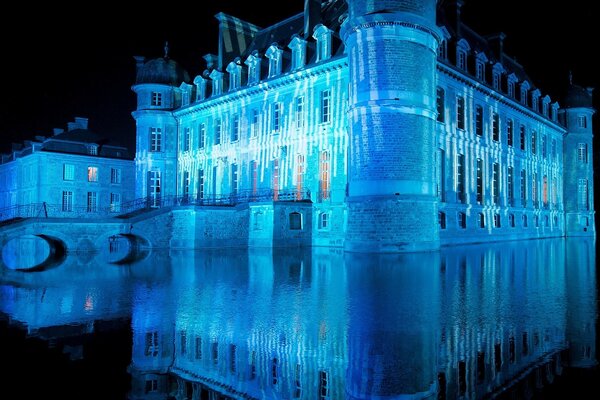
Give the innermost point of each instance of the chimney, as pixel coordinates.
(312, 16)
(211, 61)
(81, 122)
(72, 126)
(496, 41)
(57, 131)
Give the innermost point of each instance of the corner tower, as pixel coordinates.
(158, 94)
(578, 186)
(392, 202)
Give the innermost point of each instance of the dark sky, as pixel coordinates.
(62, 62)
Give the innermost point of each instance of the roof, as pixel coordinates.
(162, 70)
(577, 96)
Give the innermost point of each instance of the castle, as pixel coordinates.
(384, 126)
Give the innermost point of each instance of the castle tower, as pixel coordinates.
(392, 203)
(157, 89)
(578, 185)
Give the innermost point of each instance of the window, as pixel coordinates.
(218, 129)
(295, 221)
(299, 176)
(481, 220)
(582, 194)
(115, 175)
(460, 178)
(441, 186)
(234, 69)
(523, 187)
(442, 220)
(235, 128)
(201, 135)
(325, 106)
(232, 358)
(200, 192)
(68, 172)
(510, 187)
(93, 150)
(274, 53)
(92, 202)
(215, 352)
(462, 220)
(67, 201)
(543, 145)
(186, 185)
(156, 99)
(524, 218)
(154, 188)
(151, 344)
(234, 180)
(257, 220)
(275, 179)
(198, 354)
(322, 35)
(253, 63)
(479, 120)
(496, 183)
(323, 221)
(440, 102)
(496, 81)
(511, 220)
(276, 121)
(553, 149)
(151, 386)
(324, 181)
(534, 197)
(509, 132)
(323, 385)
(582, 153)
(254, 172)
(511, 88)
(533, 142)
(553, 190)
(254, 125)
(155, 139)
(479, 180)
(480, 71)
(187, 139)
(92, 174)
(495, 127)
(536, 221)
(523, 138)
(546, 221)
(443, 50)
(115, 202)
(274, 372)
(299, 112)
(460, 112)
(298, 47)
(496, 220)
(581, 121)
(545, 190)
(461, 59)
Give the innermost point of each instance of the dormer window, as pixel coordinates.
(497, 72)
(93, 150)
(462, 48)
(298, 47)
(253, 63)
(512, 80)
(545, 105)
(156, 99)
(200, 83)
(524, 91)
(186, 92)
(217, 82)
(480, 61)
(322, 35)
(535, 100)
(274, 55)
(554, 112)
(235, 74)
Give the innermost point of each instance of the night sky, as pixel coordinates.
(65, 62)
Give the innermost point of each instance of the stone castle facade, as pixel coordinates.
(383, 126)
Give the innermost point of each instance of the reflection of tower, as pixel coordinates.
(391, 49)
(578, 163)
(581, 305)
(393, 326)
(156, 86)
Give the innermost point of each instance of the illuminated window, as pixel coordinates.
(274, 53)
(523, 138)
(496, 183)
(441, 108)
(235, 128)
(295, 221)
(325, 177)
(495, 127)
(234, 180)
(235, 79)
(275, 179)
(509, 132)
(201, 135)
(325, 106)
(218, 129)
(479, 180)
(115, 202)
(299, 111)
(155, 139)
(442, 220)
(323, 220)
(299, 176)
(460, 112)
(253, 63)
(200, 193)
(92, 174)
(276, 114)
(496, 220)
(479, 120)
(510, 187)
(68, 172)
(187, 139)
(156, 99)
(582, 194)
(67, 201)
(460, 178)
(582, 153)
(462, 220)
(92, 201)
(93, 150)
(581, 121)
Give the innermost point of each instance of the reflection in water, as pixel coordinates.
(465, 322)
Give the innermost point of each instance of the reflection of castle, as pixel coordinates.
(455, 323)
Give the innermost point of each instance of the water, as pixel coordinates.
(513, 320)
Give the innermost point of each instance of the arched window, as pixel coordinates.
(295, 221)
(324, 220)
